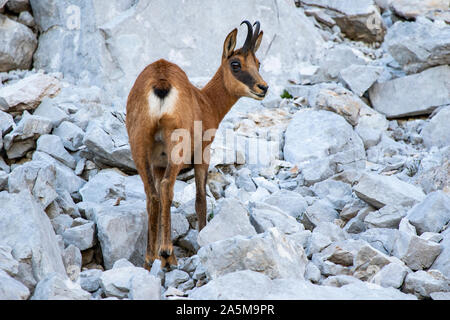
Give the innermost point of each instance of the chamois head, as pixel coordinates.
(241, 67)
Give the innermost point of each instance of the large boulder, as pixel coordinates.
(437, 131)
(11, 289)
(311, 143)
(93, 39)
(270, 253)
(419, 45)
(27, 230)
(251, 285)
(379, 190)
(412, 95)
(17, 45)
(442, 262)
(358, 19)
(410, 9)
(230, 220)
(55, 287)
(27, 93)
(122, 231)
(432, 214)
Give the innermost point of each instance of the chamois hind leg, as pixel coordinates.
(154, 215)
(201, 174)
(166, 192)
(153, 204)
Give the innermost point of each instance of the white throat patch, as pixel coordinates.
(158, 107)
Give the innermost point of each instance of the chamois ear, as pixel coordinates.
(258, 41)
(229, 44)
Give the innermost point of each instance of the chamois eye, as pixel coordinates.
(236, 65)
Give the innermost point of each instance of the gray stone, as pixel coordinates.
(288, 201)
(432, 236)
(7, 261)
(107, 184)
(189, 241)
(359, 20)
(66, 203)
(65, 179)
(19, 149)
(391, 275)
(37, 177)
(336, 192)
(175, 278)
(122, 263)
(436, 132)
(442, 262)
(55, 287)
(380, 190)
(440, 295)
(27, 19)
(70, 134)
(179, 225)
(264, 216)
(412, 95)
(339, 281)
(312, 273)
(360, 78)
(368, 261)
(72, 261)
(244, 180)
(231, 220)
(412, 8)
(53, 146)
(270, 253)
(419, 45)
(387, 217)
(11, 289)
(341, 101)
(251, 285)
(107, 139)
(310, 136)
(132, 282)
(90, 279)
(50, 111)
(17, 45)
(6, 122)
(371, 127)
(144, 286)
(382, 239)
(331, 63)
(122, 231)
(29, 126)
(83, 236)
(61, 222)
(422, 283)
(319, 211)
(432, 214)
(416, 252)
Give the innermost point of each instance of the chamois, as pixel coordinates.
(162, 102)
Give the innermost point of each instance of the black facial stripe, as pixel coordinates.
(246, 78)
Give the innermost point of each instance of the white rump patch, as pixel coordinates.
(158, 107)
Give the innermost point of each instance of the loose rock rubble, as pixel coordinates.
(338, 190)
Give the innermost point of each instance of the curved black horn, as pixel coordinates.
(255, 34)
(248, 41)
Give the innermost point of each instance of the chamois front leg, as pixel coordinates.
(201, 174)
(166, 194)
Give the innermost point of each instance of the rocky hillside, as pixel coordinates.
(336, 186)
